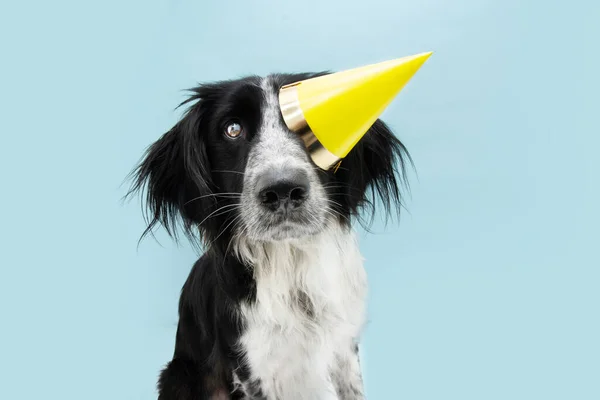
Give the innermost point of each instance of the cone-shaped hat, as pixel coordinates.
(332, 112)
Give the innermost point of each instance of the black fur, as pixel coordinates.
(185, 176)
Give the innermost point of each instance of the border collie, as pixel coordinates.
(274, 307)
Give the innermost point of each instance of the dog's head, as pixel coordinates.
(230, 167)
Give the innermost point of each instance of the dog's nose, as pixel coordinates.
(283, 189)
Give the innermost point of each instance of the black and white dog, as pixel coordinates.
(275, 306)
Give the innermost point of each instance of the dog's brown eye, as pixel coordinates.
(233, 130)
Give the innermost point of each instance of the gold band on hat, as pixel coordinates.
(295, 121)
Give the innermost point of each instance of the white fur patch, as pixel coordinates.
(309, 310)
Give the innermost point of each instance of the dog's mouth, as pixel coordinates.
(290, 219)
(264, 224)
(291, 225)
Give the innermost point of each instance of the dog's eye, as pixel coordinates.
(233, 130)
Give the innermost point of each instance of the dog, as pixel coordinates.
(274, 307)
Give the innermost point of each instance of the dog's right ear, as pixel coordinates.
(172, 172)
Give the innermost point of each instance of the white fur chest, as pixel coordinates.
(309, 309)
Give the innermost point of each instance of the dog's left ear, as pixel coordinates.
(375, 169)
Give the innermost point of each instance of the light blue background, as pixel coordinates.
(489, 287)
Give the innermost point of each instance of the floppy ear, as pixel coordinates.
(375, 169)
(173, 172)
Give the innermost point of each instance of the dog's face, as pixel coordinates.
(283, 195)
(231, 167)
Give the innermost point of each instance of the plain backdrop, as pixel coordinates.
(487, 289)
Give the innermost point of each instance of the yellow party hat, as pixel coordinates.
(333, 112)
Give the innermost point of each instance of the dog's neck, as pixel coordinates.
(312, 269)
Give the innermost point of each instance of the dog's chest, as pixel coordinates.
(309, 308)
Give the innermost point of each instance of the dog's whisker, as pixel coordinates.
(228, 171)
(224, 194)
(335, 202)
(223, 231)
(339, 186)
(228, 206)
(329, 186)
(222, 213)
(338, 194)
(334, 213)
(233, 237)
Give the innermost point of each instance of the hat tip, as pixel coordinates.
(419, 57)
